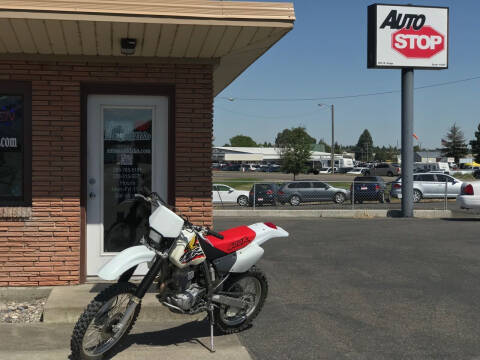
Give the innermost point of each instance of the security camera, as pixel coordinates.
(128, 46)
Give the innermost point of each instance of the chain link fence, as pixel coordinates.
(361, 193)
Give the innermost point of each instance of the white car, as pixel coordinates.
(327, 170)
(469, 197)
(357, 171)
(226, 194)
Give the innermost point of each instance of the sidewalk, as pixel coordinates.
(158, 333)
(146, 341)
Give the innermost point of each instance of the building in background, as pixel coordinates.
(259, 155)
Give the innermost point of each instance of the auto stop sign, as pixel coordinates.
(420, 44)
(401, 36)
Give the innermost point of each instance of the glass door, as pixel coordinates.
(127, 154)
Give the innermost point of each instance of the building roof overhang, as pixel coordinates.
(231, 35)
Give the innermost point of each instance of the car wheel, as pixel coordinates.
(390, 174)
(367, 173)
(295, 200)
(381, 199)
(339, 198)
(242, 200)
(417, 196)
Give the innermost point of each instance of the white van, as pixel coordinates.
(433, 167)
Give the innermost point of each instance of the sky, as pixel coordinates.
(325, 55)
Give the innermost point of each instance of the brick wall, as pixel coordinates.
(44, 249)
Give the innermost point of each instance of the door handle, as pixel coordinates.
(92, 195)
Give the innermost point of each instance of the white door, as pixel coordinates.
(127, 153)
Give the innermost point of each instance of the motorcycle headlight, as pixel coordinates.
(155, 237)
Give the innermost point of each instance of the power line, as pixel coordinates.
(302, 115)
(349, 96)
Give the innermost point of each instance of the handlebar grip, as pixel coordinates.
(213, 233)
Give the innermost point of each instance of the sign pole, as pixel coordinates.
(407, 142)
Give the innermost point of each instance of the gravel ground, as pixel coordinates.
(22, 311)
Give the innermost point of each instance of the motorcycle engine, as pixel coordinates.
(188, 292)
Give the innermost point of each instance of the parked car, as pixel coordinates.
(233, 167)
(469, 197)
(368, 188)
(265, 193)
(357, 171)
(327, 170)
(226, 194)
(439, 167)
(345, 170)
(297, 192)
(429, 185)
(384, 169)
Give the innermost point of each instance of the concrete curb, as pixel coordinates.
(350, 214)
(146, 341)
(66, 303)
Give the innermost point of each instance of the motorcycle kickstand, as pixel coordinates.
(212, 322)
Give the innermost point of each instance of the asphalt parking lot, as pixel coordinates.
(369, 289)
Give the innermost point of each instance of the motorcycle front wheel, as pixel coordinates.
(96, 333)
(251, 287)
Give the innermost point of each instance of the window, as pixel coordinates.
(319, 185)
(426, 177)
(444, 178)
(15, 144)
(223, 188)
(382, 166)
(263, 187)
(299, 185)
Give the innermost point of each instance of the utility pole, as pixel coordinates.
(407, 142)
(332, 160)
(333, 139)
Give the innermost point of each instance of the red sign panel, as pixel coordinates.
(418, 44)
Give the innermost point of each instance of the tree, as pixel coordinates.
(475, 144)
(242, 141)
(295, 145)
(364, 146)
(455, 145)
(328, 148)
(285, 136)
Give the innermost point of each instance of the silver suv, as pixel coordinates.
(429, 185)
(384, 169)
(298, 192)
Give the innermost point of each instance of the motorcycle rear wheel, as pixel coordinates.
(98, 322)
(253, 287)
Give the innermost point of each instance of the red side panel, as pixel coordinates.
(234, 239)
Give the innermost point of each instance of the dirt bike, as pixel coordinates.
(194, 269)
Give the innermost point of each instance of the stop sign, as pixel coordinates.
(420, 44)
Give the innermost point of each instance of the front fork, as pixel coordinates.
(141, 290)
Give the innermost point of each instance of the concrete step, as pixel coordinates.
(146, 341)
(66, 303)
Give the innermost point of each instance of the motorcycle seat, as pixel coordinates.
(233, 239)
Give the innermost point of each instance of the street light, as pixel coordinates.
(333, 134)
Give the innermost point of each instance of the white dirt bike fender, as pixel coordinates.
(125, 260)
(263, 232)
(243, 259)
